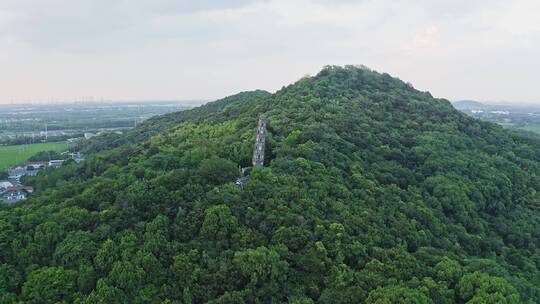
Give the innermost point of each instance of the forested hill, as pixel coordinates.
(373, 192)
(164, 122)
(160, 123)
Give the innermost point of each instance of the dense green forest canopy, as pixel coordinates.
(373, 192)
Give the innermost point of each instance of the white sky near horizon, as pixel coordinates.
(72, 50)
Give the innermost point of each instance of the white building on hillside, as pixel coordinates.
(5, 184)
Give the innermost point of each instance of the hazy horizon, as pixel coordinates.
(201, 102)
(97, 102)
(60, 50)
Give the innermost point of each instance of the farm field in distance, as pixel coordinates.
(11, 155)
(532, 128)
(520, 117)
(35, 122)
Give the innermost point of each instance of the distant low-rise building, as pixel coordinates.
(31, 169)
(500, 112)
(35, 165)
(13, 196)
(57, 163)
(19, 187)
(15, 193)
(5, 184)
(11, 190)
(77, 156)
(16, 173)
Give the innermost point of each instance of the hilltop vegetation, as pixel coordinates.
(161, 123)
(373, 192)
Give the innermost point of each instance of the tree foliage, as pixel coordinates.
(373, 192)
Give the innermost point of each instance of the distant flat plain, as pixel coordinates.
(11, 155)
(519, 117)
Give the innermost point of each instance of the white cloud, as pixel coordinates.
(427, 39)
(185, 49)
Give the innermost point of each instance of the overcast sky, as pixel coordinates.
(61, 50)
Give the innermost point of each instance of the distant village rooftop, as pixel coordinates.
(11, 189)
